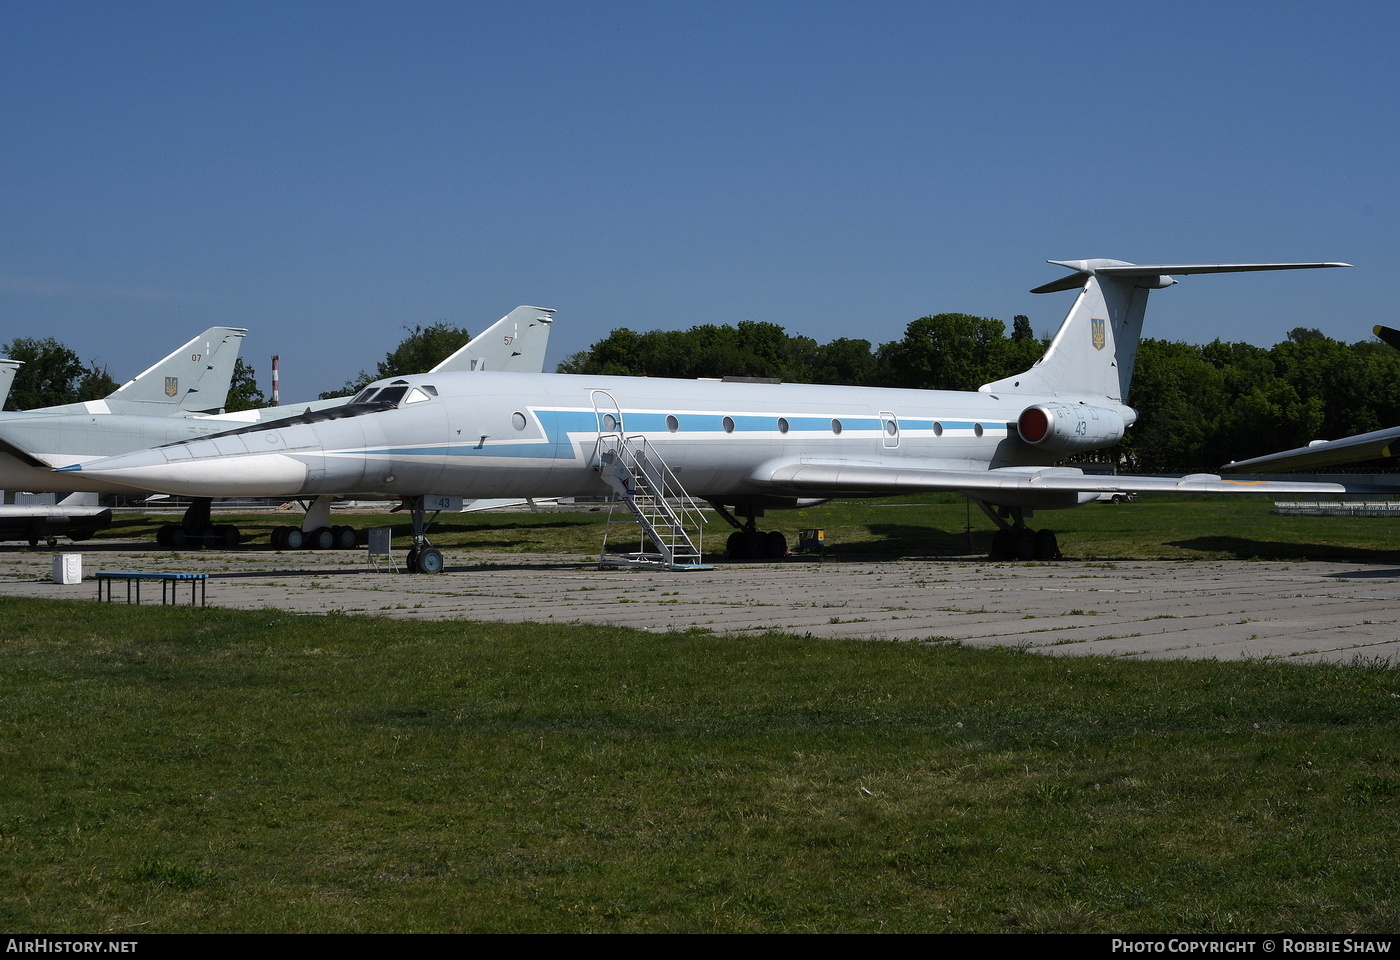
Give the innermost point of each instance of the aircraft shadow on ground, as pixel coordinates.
(1246, 549)
(898, 541)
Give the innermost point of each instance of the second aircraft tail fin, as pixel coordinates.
(513, 344)
(1094, 351)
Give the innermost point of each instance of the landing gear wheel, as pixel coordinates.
(165, 536)
(1047, 547)
(52, 542)
(1025, 545)
(1003, 545)
(430, 560)
(321, 539)
(228, 534)
(293, 539)
(752, 547)
(734, 545)
(410, 562)
(345, 538)
(774, 545)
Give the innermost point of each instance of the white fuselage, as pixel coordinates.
(537, 435)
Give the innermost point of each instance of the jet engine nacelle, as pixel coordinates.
(1066, 428)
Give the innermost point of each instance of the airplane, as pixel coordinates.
(1375, 445)
(749, 446)
(30, 443)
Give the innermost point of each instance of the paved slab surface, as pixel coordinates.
(1224, 609)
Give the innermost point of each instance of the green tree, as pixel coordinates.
(949, 351)
(51, 374)
(420, 351)
(243, 391)
(95, 383)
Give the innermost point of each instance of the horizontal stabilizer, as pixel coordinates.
(1083, 269)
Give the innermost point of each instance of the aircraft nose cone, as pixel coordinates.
(262, 475)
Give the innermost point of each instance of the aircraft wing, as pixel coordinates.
(1055, 486)
(1375, 445)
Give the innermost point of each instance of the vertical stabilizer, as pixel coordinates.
(513, 344)
(194, 380)
(7, 377)
(1095, 349)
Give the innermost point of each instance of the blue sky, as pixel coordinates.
(325, 173)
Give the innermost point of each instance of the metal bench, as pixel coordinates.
(169, 582)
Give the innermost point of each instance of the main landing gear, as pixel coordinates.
(1014, 540)
(196, 529)
(747, 542)
(322, 538)
(316, 531)
(422, 557)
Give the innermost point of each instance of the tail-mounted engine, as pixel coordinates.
(1065, 428)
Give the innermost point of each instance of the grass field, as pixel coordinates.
(212, 770)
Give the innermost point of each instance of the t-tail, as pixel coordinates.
(1093, 353)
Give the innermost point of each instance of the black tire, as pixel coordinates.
(752, 546)
(1047, 546)
(293, 539)
(345, 538)
(1025, 545)
(410, 562)
(321, 539)
(430, 560)
(774, 545)
(733, 547)
(1003, 545)
(229, 535)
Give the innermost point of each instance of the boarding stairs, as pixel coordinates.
(640, 479)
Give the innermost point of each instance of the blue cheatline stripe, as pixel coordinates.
(564, 428)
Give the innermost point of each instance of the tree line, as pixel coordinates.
(1199, 406)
